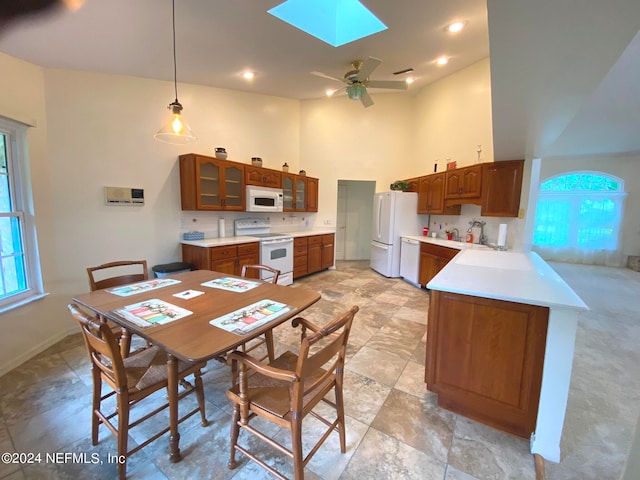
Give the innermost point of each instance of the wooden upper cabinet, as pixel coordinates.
(431, 195)
(300, 193)
(464, 183)
(312, 194)
(207, 183)
(501, 188)
(264, 177)
(414, 184)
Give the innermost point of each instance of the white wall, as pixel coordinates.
(27, 330)
(340, 139)
(453, 117)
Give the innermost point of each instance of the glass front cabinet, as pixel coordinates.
(208, 183)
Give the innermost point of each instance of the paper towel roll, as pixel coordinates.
(221, 232)
(502, 235)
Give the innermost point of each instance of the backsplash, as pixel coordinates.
(207, 222)
(515, 226)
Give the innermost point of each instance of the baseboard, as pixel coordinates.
(32, 352)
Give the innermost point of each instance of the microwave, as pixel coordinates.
(264, 199)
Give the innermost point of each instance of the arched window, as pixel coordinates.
(578, 218)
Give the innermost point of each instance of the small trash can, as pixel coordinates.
(171, 268)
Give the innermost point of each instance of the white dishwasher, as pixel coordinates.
(410, 260)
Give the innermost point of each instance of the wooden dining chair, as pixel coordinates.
(114, 274)
(254, 271)
(287, 390)
(131, 379)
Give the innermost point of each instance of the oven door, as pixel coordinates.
(278, 254)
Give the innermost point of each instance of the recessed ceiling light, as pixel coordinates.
(410, 80)
(330, 92)
(442, 60)
(455, 27)
(248, 75)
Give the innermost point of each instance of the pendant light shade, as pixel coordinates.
(175, 130)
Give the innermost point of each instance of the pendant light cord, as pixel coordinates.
(175, 68)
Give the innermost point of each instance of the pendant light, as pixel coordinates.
(176, 130)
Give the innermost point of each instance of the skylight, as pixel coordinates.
(335, 22)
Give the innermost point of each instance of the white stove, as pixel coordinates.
(276, 249)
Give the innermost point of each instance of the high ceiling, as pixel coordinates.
(565, 75)
(217, 40)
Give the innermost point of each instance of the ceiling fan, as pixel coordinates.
(357, 80)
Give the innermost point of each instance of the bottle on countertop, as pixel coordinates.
(469, 238)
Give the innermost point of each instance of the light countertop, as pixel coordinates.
(521, 277)
(218, 242)
(448, 243)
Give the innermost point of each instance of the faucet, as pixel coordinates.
(456, 234)
(478, 223)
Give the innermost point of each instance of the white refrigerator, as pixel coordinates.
(394, 214)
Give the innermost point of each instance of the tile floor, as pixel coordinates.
(395, 430)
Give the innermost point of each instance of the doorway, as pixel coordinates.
(354, 219)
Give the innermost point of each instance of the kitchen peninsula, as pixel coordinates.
(500, 343)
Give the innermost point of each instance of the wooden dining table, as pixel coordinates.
(192, 338)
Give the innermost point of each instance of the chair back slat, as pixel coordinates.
(120, 274)
(257, 268)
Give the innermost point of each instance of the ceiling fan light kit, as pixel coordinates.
(357, 80)
(175, 130)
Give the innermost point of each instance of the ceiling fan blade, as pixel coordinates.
(320, 74)
(369, 65)
(366, 100)
(395, 84)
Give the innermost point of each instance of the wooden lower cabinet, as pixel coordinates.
(312, 254)
(485, 358)
(326, 260)
(433, 258)
(300, 257)
(226, 259)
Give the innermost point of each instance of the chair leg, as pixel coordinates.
(200, 395)
(340, 414)
(268, 335)
(296, 444)
(95, 403)
(235, 431)
(123, 433)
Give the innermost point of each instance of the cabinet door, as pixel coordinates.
(288, 190)
(209, 186)
(314, 254)
(414, 184)
(312, 194)
(472, 181)
(431, 193)
(485, 358)
(327, 250)
(300, 194)
(501, 188)
(248, 254)
(429, 267)
(464, 182)
(436, 193)
(263, 177)
(227, 265)
(233, 187)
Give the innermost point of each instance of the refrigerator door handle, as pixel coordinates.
(382, 246)
(379, 216)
